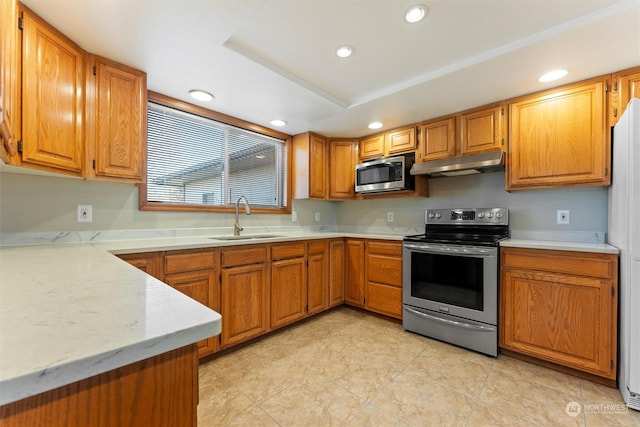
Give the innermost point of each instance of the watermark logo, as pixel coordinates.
(573, 409)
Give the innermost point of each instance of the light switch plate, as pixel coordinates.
(389, 216)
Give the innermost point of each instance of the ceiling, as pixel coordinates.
(268, 59)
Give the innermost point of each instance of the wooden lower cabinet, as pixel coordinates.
(318, 277)
(561, 307)
(244, 294)
(354, 272)
(149, 262)
(159, 391)
(383, 278)
(288, 284)
(336, 272)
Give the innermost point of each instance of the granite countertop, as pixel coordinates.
(73, 310)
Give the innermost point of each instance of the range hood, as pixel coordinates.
(465, 165)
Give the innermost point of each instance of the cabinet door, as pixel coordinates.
(288, 291)
(318, 167)
(561, 318)
(336, 272)
(201, 286)
(354, 274)
(628, 86)
(150, 263)
(119, 109)
(558, 138)
(52, 98)
(438, 139)
(383, 281)
(245, 303)
(318, 275)
(9, 81)
(342, 162)
(400, 141)
(481, 130)
(371, 147)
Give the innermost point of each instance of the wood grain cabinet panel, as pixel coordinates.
(400, 141)
(626, 85)
(117, 117)
(336, 272)
(559, 138)
(288, 291)
(149, 262)
(342, 162)
(438, 139)
(318, 277)
(354, 272)
(310, 166)
(9, 81)
(383, 278)
(53, 98)
(371, 147)
(566, 317)
(481, 130)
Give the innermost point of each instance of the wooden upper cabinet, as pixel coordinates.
(559, 138)
(9, 80)
(342, 162)
(371, 147)
(310, 175)
(117, 119)
(53, 95)
(438, 139)
(626, 85)
(388, 144)
(400, 141)
(481, 130)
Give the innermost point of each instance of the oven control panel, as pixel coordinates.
(470, 216)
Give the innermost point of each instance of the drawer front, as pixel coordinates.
(384, 269)
(289, 250)
(244, 256)
(318, 247)
(179, 261)
(384, 248)
(578, 263)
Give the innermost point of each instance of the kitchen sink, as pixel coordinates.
(247, 237)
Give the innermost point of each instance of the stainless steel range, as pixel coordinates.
(450, 277)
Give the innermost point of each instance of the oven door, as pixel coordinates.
(456, 280)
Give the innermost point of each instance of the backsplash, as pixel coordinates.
(43, 209)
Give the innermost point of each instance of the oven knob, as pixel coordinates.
(489, 214)
(438, 215)
(498, 214)
(432, 215)
(480, 214)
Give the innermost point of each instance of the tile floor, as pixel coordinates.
(348, 368)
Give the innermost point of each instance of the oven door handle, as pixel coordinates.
(463, 325)
(441, 249)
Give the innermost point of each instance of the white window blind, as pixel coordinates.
(199, 161)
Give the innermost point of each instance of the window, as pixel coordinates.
(195, 162)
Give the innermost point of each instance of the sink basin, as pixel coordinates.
(246, 237)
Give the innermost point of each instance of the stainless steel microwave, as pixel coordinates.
(385, 174)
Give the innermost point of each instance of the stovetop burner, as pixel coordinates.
(477, 226)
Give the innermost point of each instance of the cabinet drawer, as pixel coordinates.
(384, 269)
(288, 250)
(384, 299)
(318, 247)
(244, 256)
(180, 261)
(385, 248)
(578, 263)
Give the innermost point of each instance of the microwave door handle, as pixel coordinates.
(438, 249)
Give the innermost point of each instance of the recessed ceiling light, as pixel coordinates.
(552, 75)
(201, 95)
(344, 51)
(278, 122)
(375, 125)
(415, 13)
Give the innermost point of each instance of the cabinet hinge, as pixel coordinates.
(502, 141)
(93, 164)
(615, 86)
(19, 146)
(20, 23)
(502, 111)
(94, 70)
(615, 112)
(606, 171)
(606, 87)
(613, 291)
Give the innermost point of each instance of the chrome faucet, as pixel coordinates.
(236, 227)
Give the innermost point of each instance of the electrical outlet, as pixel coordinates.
(563, 216)
(389, 216)
(317, 216)
(85, 213)
(294, 216)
